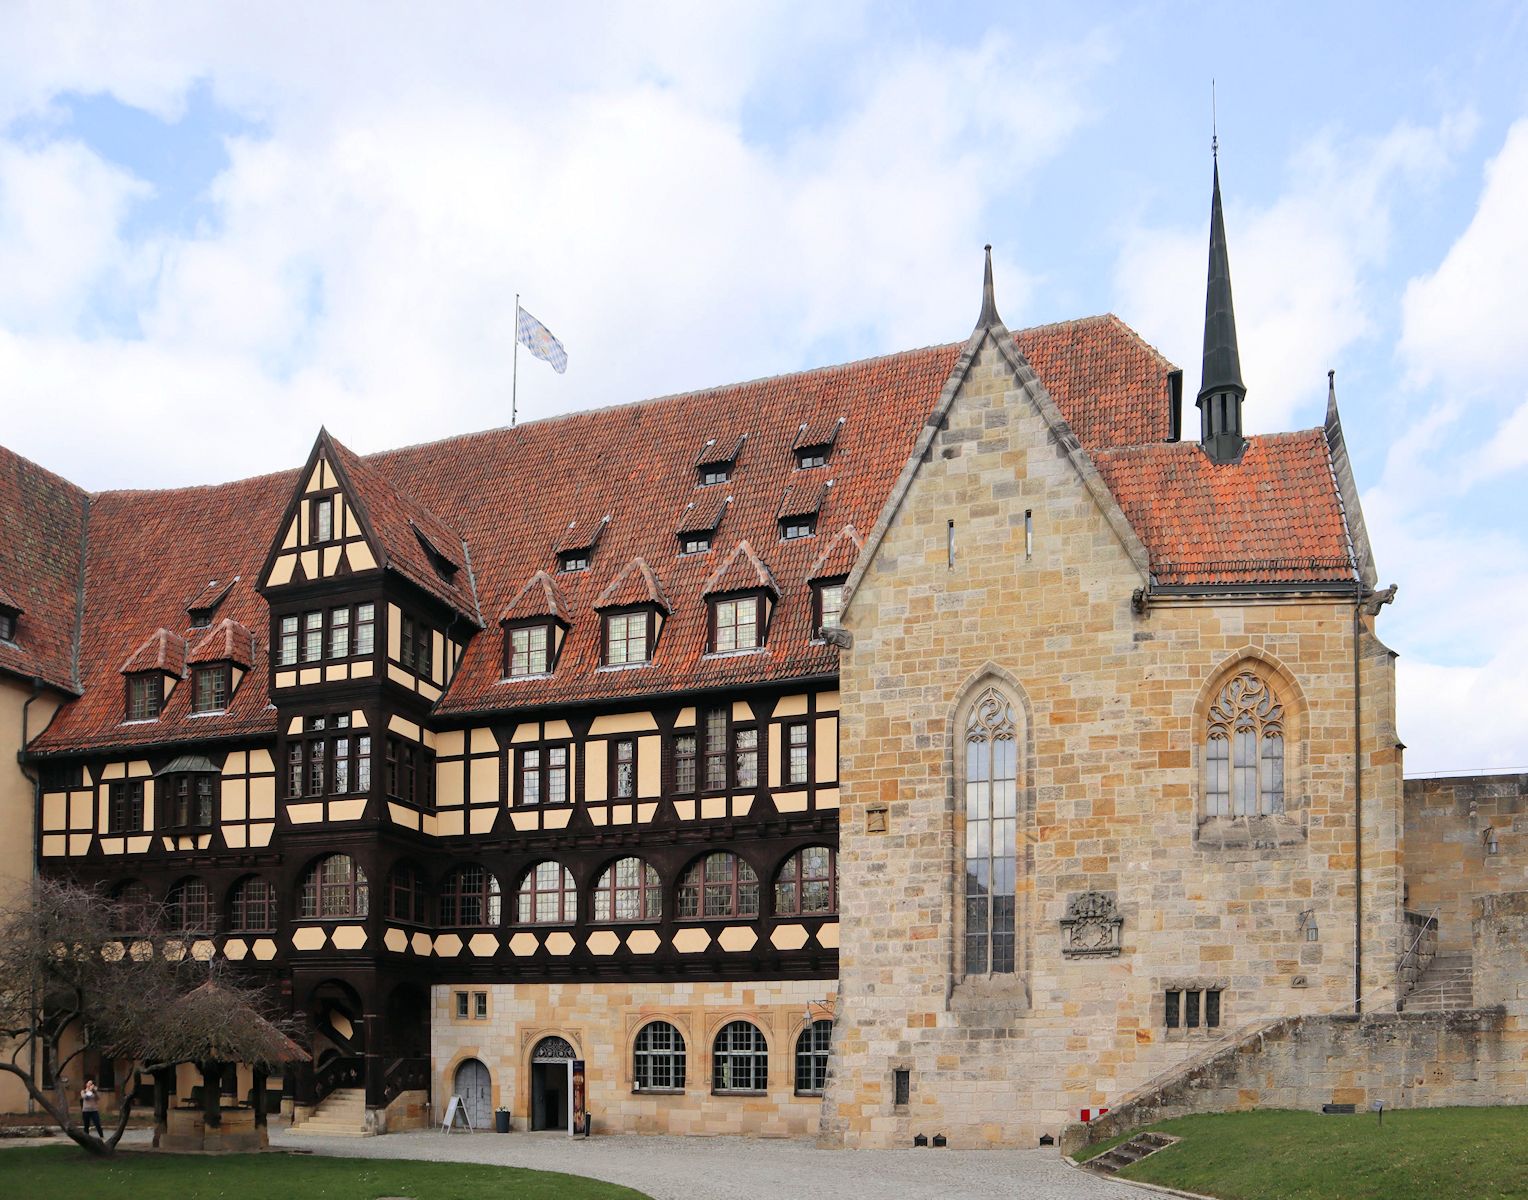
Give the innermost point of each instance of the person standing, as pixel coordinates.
(90, 1105)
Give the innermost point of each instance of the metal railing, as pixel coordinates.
(1422, 934)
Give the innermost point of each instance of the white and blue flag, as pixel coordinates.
(538, 339)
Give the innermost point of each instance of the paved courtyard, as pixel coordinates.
(668, 1168)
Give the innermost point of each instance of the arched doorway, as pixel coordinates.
(475, 1088)
(551, 1082)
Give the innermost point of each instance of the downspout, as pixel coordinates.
(36, 782)
(1358, 810)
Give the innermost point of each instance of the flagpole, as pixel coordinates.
(514, 371)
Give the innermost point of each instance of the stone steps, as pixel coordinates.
(1128, 1153)
(1447, 984)
(342, 1113)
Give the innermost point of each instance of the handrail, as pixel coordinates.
(1411, 959)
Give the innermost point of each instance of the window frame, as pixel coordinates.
(454, 894)
(614, 787)
(575, 558)
(144, 698)
(178, 801)
(316, 505)
(175, 908)
(356, 888)
(717, 471)
(316, 746)
(124, 806)
(754, 1059)
(543, 771)
(670, 1059)
(295, 633)
(648, 891)
(694, 542)
(717, 627)
(240, 907)
(408, 772)
(548, 630)
(695, 879)
(813, 457)
(406, 882)
(649, 637)
(10, 619)
(997, 935)
(819, 607)
(566, 893)
(795, 862)
(788, 747)
(798, 527)
(813, 1052)
(220, 672)
(1230, 725)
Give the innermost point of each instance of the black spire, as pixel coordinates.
(1221, 390)
(989, 298)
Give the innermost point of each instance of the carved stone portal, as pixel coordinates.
(1091, 926)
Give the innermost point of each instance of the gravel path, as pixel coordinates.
(671, 1168)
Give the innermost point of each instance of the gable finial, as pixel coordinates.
(1214, 128)
(1331, 396)
(989, 298)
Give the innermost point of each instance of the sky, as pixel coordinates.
(222, 226)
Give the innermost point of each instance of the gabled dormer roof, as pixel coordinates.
(210, 595)
(803, 499)
(822, 432)
(636, 584)
(227, 641)
(8, 603)
(741, 571)
(581, 534)
(540, 597)
(703, 515)
(164, 651)
(839, 557)
(720, 451)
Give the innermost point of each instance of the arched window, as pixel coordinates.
(132, 908)
(1244, 750)
(807, 884)
(740, 1059)
(547, 896)
(189, 907)
(469, 898)
(719, 885)
(629, 890)
(252, 908)
(991, 808)
(812, 1058)
(407, 899)
(658, 1060)
(334, 887)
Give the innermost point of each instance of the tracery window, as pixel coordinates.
(658, 1060)
(740, 1059)
(812, 1058)
(1244, 750)
(719, 885)
(469, 898)
(629, 890)
(547, 896)
(991, 809)
(334, 887)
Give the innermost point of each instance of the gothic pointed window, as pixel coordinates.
(1244, 750)
(991, 809)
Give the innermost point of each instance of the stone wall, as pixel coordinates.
(1448, 866)
(1110, 708)
(601, 1022)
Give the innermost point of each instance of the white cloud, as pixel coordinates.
(1464, 323)
(1299, 267)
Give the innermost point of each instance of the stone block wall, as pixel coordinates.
(601, 1022)
(1448, 867)
(1110, 705)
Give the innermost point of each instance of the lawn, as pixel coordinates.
(1417, 1154)
(61, 1171)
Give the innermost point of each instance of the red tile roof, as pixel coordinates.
(740, 571)
(164, 652)
(42, 520)
(227, 641)
(636, 464)
(1273, 517)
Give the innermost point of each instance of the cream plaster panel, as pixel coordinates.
(560, 943)
(529, 731)
(286, 679)
(451, 743)
(396, 940)
(394, 633)
(685, 719)
(449, 790)
(788, 937)
(737, 938)
(308, 676)
(827, 749)
(262, 798)
(691, 941)
(426, 689)
(828, 702)
(358, 718)
(315, 480)
(264, 949)
(523, 945)
(55, 810)
(450, 824)
(646, 812)
(483, 945)
(81, 809)
(235, 949)
(139, 845)
(203, 949)
(331, 560)
(596, 781)
(635, 722)
(448, 945)
(79, 844)
(603, 942)
(598, 817)
(237, 763)
(742, 710)
(400, 726)
(621, 814)
(309, 937)
(114, 770)
(260, 834)
(643, 941)
(791, 706)
(741, 805)
(347, 810)
(650, 766)
(235, 799)
(305, 814)
(289, 539)
(790, 802)
(558, 729)
(139, 766)
(525, 820)
(713, 807)
(775, 777)
(482, 819)
(485, 780)
(56, 845)
(234, 836)
(310, 563)
(401, 815)
(360, 556)
(422, 944)
(684, 809)
(483, 741)
(109, 845)
(362, 669)
(281, 569)
(827, 935)
(827, 798)
(349, 937)
(438, 658)
(336, 671)
(557, 818)
(294, 726)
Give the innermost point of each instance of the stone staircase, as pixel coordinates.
(1128, 1153)
(1446, 985)
(342, 1113)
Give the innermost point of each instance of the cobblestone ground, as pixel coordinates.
(721, 1168)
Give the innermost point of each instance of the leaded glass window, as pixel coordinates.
(991, 810)
(547, 896)
(629, 890)
(1244, 750)
(658, 1061)
(812, 1058)
(740, 1059)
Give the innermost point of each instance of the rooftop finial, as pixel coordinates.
(989, 299)
(1214, 127)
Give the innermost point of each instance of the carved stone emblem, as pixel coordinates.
(1091, 926)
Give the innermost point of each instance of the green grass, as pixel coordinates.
(1418, 1154)
(64, 1172)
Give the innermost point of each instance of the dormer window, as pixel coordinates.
(812, 456)
(321, 519)
(210, 688)
(629, 637)
(827, 604)
(792, 528)
(528, 650)
(736, 624)
(573, 560)
(711, 473)
(694, 543)
(145, 696)
(201, 618)
(716, 459)
(8, 624)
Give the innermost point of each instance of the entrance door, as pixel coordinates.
(473, 1086)
(551, 1072)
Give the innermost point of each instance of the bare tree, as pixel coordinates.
(78, 970)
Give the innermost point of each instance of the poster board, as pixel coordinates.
(454, 1110)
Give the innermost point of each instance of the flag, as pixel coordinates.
(538, 339)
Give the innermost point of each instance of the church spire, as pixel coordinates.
(1221, 390)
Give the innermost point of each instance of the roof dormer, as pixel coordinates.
(699, 521)
(202, 605)
(740, 598)
(10, 617)
(814, 443)
(535, 625)
(717, 460)
(575, 548)
(633, 609)
(218, 665)
(799, 508)
(152, 671)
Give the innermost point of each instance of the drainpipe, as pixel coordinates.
(36, 782)
(1358, 811)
